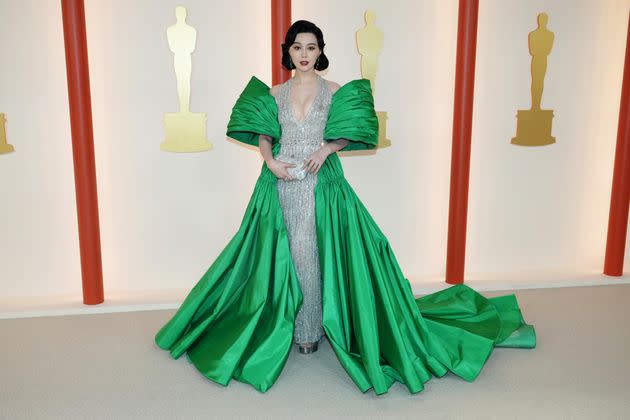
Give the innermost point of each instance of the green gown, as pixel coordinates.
(237, 322)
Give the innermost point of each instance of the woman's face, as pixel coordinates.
(304, 51)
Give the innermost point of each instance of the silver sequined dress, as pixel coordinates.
(300, 139)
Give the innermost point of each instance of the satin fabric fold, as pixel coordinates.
(352, 116)
(254, 113)
(237, 322)
(379, 332)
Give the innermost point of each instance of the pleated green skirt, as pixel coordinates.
(237, 322)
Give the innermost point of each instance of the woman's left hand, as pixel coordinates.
(315, 161)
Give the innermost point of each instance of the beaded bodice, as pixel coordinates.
(301, 138)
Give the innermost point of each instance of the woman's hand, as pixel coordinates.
(315, 161)
(279, 169)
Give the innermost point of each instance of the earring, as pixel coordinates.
(317, 63)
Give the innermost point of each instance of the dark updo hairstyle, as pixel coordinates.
(300, 27)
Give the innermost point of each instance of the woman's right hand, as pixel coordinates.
(279, 169)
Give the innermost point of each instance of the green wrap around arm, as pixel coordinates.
(352, 116)
(254, 113)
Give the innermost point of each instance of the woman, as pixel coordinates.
(309, 260)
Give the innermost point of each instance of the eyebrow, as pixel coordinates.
(310, 43)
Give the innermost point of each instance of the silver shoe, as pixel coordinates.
(307, 348)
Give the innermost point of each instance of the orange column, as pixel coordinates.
(620, 195)
(462, 128)
(73, 13)
(280, 22)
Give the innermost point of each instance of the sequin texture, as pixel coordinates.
(300, 139)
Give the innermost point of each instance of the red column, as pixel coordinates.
(462, 128)
(280, 22)
(620, 196)
(73, 13)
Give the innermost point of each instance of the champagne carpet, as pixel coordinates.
(105, 366)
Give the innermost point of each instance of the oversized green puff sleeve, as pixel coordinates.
(352, 116)
(254, 113)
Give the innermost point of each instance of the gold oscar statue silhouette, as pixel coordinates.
(370, 43)
(185, 131)
(533, 126)
(4, 146)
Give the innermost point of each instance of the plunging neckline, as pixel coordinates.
(310, 108)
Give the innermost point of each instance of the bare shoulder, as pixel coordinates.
(274, 90)
(333, 86)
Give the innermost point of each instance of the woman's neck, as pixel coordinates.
(304, 77)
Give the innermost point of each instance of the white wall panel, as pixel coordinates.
(39, 245)
(165, 217)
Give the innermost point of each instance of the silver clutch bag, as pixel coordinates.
(299, 172)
